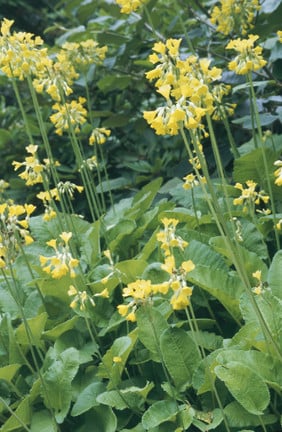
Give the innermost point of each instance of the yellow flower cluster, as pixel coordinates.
(81, 298)
(250, 197)
(128, 6)
(20, 55)
(190, 181)
(69, 115)
(62, 263)
(278, 173)
(14, 230)
(279, 34)
(142, 290)
(234, 16)
(34, 170)
(47, 197)
(249, 57)
(187, 86)
(99, 136)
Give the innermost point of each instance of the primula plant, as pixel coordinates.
(141, 290)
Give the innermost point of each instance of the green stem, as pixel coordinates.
(264, 158)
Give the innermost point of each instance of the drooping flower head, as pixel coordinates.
(234, 16)
(62, 263)
(249, 57)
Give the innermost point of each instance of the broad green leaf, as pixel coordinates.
(21, 418)
(208, 421)
(267, 306)
(131, 397)
(99, 419)
(130, 270)
(238, 417)
(274, 277)
(204, 376)
(251, 261)
(224, 286)
(90, 244)
(33, 333)
(87, 399)
(119, 231)
(151, 324)
(246, 386)
(8, 372)
(112, 370)
(42, 421)
(181, 356)
(113, 82)
(202, 254)
(57, 392)
(266, 366)
(158, 413)
(58, 330)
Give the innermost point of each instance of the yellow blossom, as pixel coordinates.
(128, 6)
(99, 136)
(234, 15)
(278, 173)
(68, 115)
(62, 263)
(249, 57)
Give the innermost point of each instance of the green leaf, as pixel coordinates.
(246, 386)
(151, 324)
(130, 270)
(32, 335)
(20, 418)
(119, 231)
(251, 261)
(99, 419)
(42, 421)
(181, 356)
(57, 391)
(8, 372)
(158, 413)
(111, 370)
(208, 421)
(87, 399)
(58, 330)
(131, 397)
(238, 417)
(213, 281)
(274, 277)
(90, 244)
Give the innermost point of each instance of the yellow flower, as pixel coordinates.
(62, 263)
(279, 34)
(68, 115)
(278, 173)
(234, 15)
(128, 6)
(249, 57)
(99, 136)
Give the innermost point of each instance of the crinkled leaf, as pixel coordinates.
(57, 392)
(151, 324)
(87, 399)
(246, 386)
(180, 354)
(158, 413)
(238, 417)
